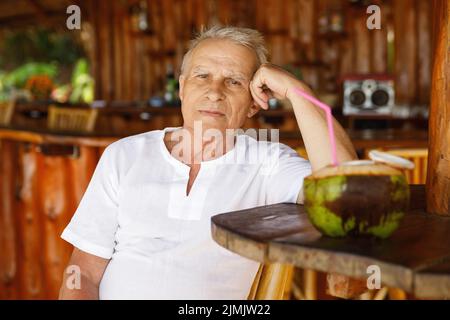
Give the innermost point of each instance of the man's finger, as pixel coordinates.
(258, 90)
(254, 95)
(261, 88)
(257, 98)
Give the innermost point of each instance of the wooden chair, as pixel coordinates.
(71, 119)
(302, 152)
(6, 112)
(419, 156)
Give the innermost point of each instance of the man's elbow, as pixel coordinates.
(82, 276)
(81, 288)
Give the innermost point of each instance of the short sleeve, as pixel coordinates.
(284, 180)
(93, 226)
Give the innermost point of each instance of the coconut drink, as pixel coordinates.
(358, 197)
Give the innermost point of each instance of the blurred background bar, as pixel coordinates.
(66, 94)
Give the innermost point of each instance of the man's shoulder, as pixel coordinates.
(135, 141)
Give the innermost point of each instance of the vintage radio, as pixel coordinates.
(368, 95)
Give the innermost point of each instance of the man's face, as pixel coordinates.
(217, 79)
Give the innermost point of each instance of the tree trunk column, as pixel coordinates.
(438, 179)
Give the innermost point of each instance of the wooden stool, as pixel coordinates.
(272, 282)
(6, 112)
(71, 119)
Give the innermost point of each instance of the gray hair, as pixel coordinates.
(246, 37)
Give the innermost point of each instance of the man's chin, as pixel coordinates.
(212, 115)
(210, 123)
(208, 119)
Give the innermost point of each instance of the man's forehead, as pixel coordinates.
(235, 70)
(213, 52)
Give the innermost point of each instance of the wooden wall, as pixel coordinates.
(39, 195)
(130, 66)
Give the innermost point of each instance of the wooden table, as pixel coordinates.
(416, 258)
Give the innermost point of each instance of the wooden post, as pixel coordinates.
(438, 180)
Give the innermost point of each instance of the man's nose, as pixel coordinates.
(216, 91)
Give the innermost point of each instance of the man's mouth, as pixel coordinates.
(212, 113)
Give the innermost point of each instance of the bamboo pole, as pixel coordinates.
(438, 180)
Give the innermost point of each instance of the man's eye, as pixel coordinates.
(235, 82)
(202, 76)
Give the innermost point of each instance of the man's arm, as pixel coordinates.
(311, 120)
(91, 269)
(313, 125)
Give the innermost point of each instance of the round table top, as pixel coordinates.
(416, 258)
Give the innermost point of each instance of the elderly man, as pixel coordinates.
(142, 229)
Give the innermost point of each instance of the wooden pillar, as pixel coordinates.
(438, 180)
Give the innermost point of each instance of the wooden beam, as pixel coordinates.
(438, 180)
(38, 9)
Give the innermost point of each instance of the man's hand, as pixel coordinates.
(272, 81)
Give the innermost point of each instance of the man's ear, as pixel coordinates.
(254, 108)
(181, 80)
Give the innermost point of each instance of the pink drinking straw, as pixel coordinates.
(327, 109)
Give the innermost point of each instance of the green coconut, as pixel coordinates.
(356, 198)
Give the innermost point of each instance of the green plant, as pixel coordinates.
(3, 89)
(82, 83)
(32, 52)
(19, 76)
(40, 45)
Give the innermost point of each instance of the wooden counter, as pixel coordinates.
(43, 175)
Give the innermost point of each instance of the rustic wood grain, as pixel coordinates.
(438, 179)
(39, 196)
(405, 51)
(424, 60)
(29, 222)
(124, 70)
(8, 231)
(379, 44)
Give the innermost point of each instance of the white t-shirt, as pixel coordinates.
(136, 212)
